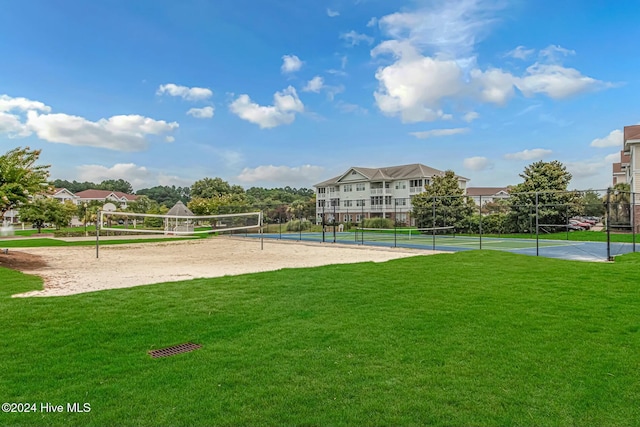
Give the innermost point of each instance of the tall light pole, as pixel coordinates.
(85, 219)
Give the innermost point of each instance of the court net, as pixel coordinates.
(138, 223)
(394, 234)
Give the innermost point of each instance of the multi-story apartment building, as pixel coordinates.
(369, 192)
(620, 169)
(483, 195)
(632, 149)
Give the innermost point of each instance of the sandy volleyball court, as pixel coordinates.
(75, 269)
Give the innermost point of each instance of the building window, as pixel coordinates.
(347, 188)
(401, 202)
(322, 190)
(359, 217)
(387, 200)
(347, 203)
(415, 183)
(347, 218)
(360, 187)
(401, 185)
(376, 200)
(321, 203)
(360, 203)
(353, 172)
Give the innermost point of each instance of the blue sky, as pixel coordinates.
(292, 92)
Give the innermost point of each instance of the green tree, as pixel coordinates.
(116, 185)
(591, 204)
(225, 203)
(167, 195)
(451, 207)
(20, 177)
(213, 187)
(549, 180)
(142, 204)
(35, 212)
(620, 200)
(74, 186)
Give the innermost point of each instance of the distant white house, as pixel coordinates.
(374, 192)
(118, 197)
(487, 194)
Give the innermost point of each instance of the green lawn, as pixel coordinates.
(471, 338)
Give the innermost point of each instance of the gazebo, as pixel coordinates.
(179, 223)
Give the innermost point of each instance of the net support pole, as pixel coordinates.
(98, 220)
(537, 223)
(334, 223)
(609, 258)
(261, 232)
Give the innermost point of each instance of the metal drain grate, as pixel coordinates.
(176, 349)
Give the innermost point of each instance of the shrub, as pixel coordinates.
(377, 223)
(299, 225)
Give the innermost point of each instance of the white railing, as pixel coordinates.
(416, 190)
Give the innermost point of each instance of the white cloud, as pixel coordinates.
(314, 85)
(290, 64)
(533, 154)
(477, 163)
(450, 28)
(138, 176)
(8, 103)
(471, 116)
(556, 81)
(346, 107)
(286, 104)
(11, 125)
(372, 22)
(494, 85)
(614, 139)
(295, 176)
(414, 85)
(434, 62)
(353, 38)
(188, 93)
(439, 132)
(332, 13)
(552, 52)
(612, 158)
(201, 113)
(169, 138)
(122, 133)
(520, 52)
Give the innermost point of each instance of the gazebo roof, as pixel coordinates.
(179, 209)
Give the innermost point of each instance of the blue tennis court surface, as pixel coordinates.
(563, 249)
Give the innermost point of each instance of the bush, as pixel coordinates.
(377, 223)
(299, 225)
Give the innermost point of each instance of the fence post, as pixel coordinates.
(433, 226)
(323, 222)
(395, 225)
(280, 222)
(537, 223)
(480, 210)
(334, 223)
(633, 220)
(609, 224)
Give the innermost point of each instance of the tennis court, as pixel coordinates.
(563, 249)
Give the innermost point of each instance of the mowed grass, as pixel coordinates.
(471, 338)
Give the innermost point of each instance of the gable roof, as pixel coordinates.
(103, 194)
(632, 133)
(179, 209)
(485, 191)
(415, 170)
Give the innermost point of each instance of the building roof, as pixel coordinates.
(625, 158)
(632, 133)
(485, 191)
(103, 194)
(415, 170)
(617, 168)
(179, 209)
